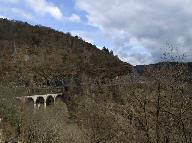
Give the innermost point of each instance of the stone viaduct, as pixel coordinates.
(38, 100)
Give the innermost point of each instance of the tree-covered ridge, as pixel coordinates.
(33, 53)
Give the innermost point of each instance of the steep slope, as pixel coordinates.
(32, 54)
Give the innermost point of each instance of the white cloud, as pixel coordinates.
(40, 7)
(1, 16)
(150, 22)
(43, 7)
(10, 1)
(84, 35)
(74, 18)
(20, 12)
(10, 9)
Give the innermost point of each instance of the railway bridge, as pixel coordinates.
(44, 99)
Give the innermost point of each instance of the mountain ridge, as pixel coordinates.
(36, 53)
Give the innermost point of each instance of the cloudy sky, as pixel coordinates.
(136, 30)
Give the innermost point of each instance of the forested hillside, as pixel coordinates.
(30, 54)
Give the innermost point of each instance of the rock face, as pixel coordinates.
(36, 53)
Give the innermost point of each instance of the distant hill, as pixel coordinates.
(167, 70)
(31, 54)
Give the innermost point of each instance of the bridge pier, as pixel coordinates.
(54, 99)
(35, 105)
(45, 104)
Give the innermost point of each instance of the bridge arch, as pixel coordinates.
(30, 101)
(50, 100)
(60, 97)
(40, 101)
